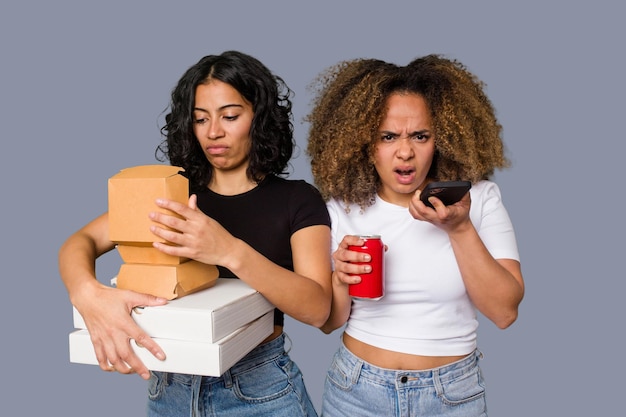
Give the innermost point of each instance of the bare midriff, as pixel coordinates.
(389, 359)
(278, 330)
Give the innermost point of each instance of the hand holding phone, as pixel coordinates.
(449, 192)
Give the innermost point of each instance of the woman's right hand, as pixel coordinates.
(105, 310)
(107, 313)
(346, 270)
(347, 267)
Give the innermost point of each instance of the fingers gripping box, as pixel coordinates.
(204, 333)
(132, 195)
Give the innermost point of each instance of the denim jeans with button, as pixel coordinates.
(356, 388)
(266, 382)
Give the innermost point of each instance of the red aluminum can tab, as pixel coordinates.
(372, 285)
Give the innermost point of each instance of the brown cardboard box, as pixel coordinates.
(145, 253)
(167, 281)
(132, 193)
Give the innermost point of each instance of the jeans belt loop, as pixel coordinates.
(356, 372)
(228, 379)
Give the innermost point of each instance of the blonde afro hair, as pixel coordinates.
(349, 105)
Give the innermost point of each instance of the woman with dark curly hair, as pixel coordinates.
(379, 133)
(230, 129)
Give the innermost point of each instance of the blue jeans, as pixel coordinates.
(266, 382)
(356, 388)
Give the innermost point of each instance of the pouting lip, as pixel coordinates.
(216, 149)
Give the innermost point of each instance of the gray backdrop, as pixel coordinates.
(82, 90)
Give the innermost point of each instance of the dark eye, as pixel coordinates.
(421, 137)
(231, 118)
(200, 120)
(387, 138)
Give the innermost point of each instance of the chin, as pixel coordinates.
(406, 189)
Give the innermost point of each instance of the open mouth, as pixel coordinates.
(405, 175)
(404, 172)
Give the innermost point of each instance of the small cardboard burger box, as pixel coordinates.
(132, 193)
(204, 333)
(186, 356)
(167, 281)
(145, 253)
(205, 316)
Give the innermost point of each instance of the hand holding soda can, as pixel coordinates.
(372, 285)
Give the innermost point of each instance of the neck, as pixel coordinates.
(402, 200)
(231, 183)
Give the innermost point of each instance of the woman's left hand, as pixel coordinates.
(192, 233)
(448, 218)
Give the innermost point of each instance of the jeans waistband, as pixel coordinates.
(359, 368)
(256, 356)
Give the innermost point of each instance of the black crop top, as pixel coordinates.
(266, 217)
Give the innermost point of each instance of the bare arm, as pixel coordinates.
(495, 286)
(345, 273)
(105, 310)
(304, 294)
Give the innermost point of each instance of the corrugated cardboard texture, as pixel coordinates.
(132, 193)
(167, 281)
(145, 253)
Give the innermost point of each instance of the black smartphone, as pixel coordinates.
(449, 192)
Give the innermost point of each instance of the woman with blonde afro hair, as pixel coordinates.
(379, 133)
(350, 104)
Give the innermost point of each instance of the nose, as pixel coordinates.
(405, 150)
(215, 129)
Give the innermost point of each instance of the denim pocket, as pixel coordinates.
(156, 384)
(467, 387)
(265, 382)
(338, 376)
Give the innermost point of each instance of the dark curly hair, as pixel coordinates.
(271, 132)
(349, 105)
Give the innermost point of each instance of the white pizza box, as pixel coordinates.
(205, 316)
(185, 356)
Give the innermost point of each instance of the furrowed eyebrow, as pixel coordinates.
(415, 133)
(224, 107)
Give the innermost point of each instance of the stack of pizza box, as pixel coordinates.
(204, 333)
(209, 323)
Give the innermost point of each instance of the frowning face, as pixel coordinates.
(222, 121)
(405, 147)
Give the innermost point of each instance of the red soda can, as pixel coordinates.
(372, 285)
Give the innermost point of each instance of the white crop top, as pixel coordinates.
(425, 309)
